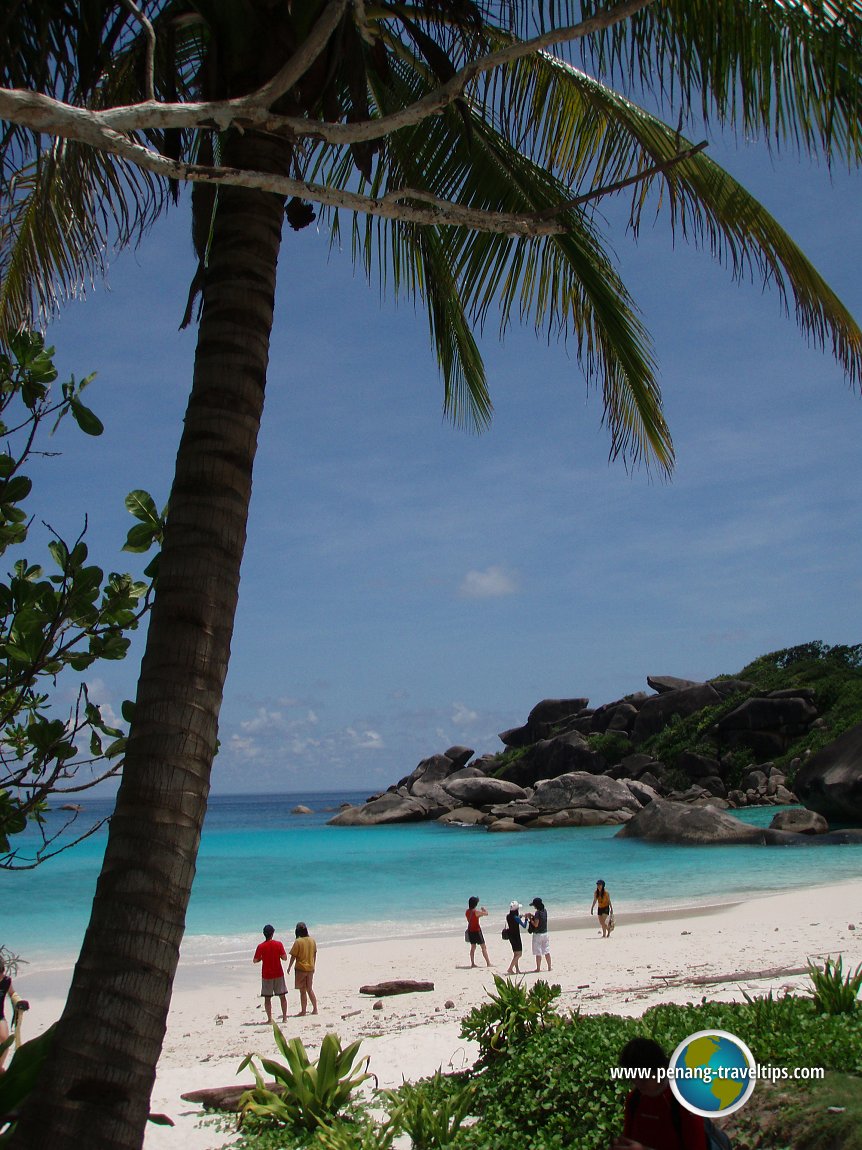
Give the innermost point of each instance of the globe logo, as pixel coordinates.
(712, 1073)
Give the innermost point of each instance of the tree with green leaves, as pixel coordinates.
(468, 146)
(54, 623)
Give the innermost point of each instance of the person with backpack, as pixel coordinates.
(654, 1118)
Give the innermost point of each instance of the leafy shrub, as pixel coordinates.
(511, 1015)
(613, 746)
(310, 1093)
(555, 1089)
(834, 991)
(691, 732)
(430, 1113)
(350, 1136)
(506, 759)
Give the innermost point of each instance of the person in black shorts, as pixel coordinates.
(602, 900)
(514, 922)
(473, 933)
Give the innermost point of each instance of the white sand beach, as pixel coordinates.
(216, 1018)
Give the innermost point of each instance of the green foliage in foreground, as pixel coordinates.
(59, 617)
(510, 1016)
(834, 991)
(308, 1093)
(556, 1090)
(430, 1114)
(549, 1087)
(825, 1115)
(20, 1078)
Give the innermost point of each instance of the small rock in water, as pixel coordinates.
(851, 925)
(449, 1004)
(378, 1005)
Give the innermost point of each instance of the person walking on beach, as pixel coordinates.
(304, 954)
(514, 922)
(654, 1119)
(269, 954)
(602, 900)
(537, 926)
(18, 1006)
(474, 931)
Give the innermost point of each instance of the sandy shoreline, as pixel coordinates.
(216, 1017)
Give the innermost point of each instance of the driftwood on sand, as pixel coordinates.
(224, 1097)
(395, 986)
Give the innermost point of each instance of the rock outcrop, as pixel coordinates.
(667, 822)
(801, 822)
(572, 765)
(831, 781)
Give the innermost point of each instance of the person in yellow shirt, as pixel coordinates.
(304, 954)
(602, 900)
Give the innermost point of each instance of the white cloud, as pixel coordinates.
(462, 716)
(366, 740)
(492, 583)
(264, 720)
(244, 749)
(110, 716)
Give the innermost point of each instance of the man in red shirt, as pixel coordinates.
(654, 1119)
(269, 953)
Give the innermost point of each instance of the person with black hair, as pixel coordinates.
(654, 1118)
(514, 922)
(269, 954)
(602, 899)
(537, 925)
(19, 1005)
(473, 933)
(304, 954)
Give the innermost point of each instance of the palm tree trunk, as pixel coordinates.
(95, 1090)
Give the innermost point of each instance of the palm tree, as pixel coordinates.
(469, 152)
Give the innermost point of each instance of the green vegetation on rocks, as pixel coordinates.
(833, 674)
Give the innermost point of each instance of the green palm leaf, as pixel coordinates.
(791, 70)
(63, 215)
(565, 284)
(591, 136)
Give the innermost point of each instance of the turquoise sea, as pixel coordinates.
(261, 863)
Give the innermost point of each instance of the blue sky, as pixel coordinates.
(407, 585)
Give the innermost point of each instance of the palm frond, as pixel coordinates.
(788, 69)
(566, 285)
(591, 137)
(62, 216)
